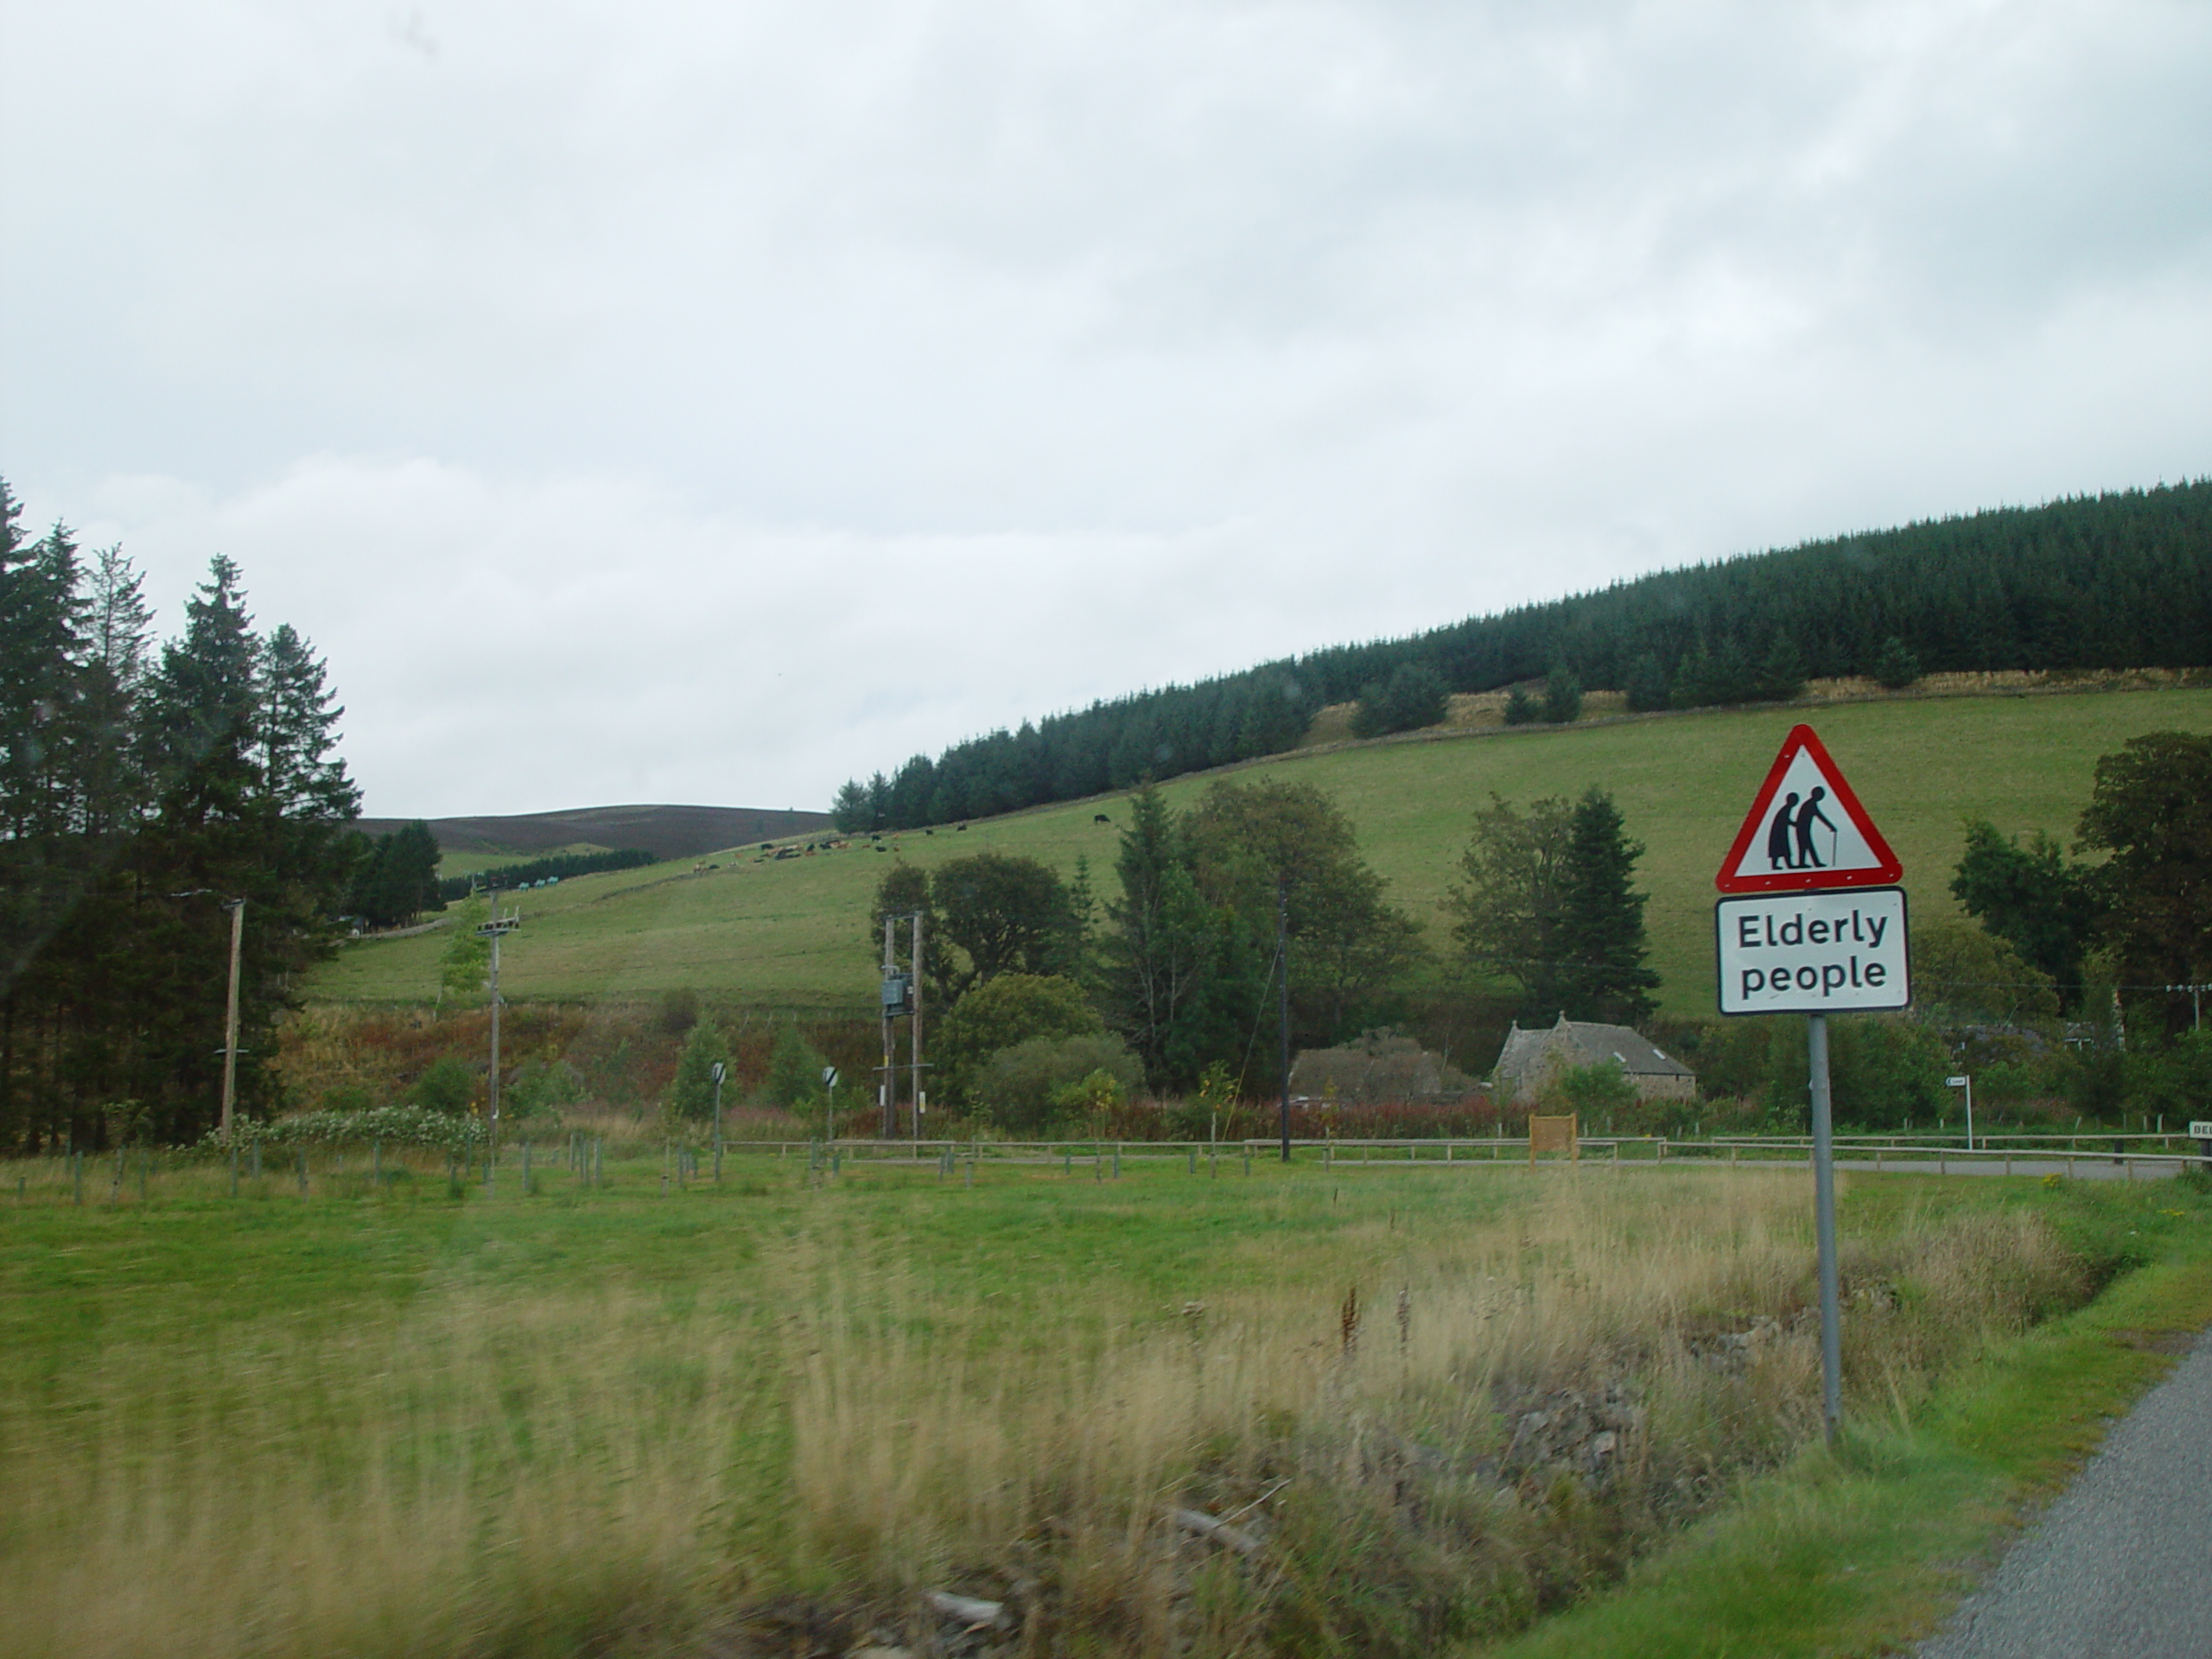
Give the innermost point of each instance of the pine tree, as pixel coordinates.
(1647, 684)
(120, 623)
(1562, 696)
(1603, 973)
(301, 775)
(691, 1091)
(1782, 673)
(205, 726)
(1896, 667)
(1165, 943)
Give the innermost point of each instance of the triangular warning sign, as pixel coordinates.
(1807, 830)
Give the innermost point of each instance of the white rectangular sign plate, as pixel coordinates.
(1837, 952)
(2199, 1130)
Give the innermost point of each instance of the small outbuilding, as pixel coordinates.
(1530, 1057)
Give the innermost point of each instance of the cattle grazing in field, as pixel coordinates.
(1100, 818)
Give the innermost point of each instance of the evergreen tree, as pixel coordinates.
(396, 877)
(851, 812)
(691, 1091)
(1896, 667)
(205, 718)
(1647, 684)
(1603, 973)
(302, 776)
(1782, 674)
(119, 624)
(1562, 696)
(795, 1067)
(1520, 707)
(135, 806)
(1165, 943)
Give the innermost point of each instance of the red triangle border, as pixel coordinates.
(1886, 872)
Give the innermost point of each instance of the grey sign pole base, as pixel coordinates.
(1824, 1225)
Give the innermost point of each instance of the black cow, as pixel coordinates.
(1100, 818)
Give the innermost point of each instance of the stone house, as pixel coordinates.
(1531, 1056)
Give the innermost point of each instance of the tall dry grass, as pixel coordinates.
(1433, 1432)
(1449, 1433)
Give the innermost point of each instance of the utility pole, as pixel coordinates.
(894, 999)
(914, 1036)
(1283, 1004)
(236, 908)
(492, 930)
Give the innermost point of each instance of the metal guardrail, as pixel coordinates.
(1899, 1154)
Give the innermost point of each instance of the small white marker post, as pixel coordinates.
(1966, 1083)
(1803, 933)
(721, 1070)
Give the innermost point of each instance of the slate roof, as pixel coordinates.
(1587, 1043)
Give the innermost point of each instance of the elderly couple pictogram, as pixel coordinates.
(1790, 817)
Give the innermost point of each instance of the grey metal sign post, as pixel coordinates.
(1812, 926)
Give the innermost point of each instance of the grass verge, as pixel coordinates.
(1866, 1551)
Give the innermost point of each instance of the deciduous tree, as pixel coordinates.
(2151, 810)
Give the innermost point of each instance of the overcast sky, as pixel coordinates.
(712, 402)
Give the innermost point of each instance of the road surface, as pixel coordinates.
(2115, 1569)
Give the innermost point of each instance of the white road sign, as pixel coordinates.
(1806, 830)
(1830, 952)
(2199, 1130)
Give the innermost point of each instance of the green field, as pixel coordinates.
(636, 1419)
(794, 933)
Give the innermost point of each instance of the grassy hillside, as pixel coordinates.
(477, 844)
(794, 933)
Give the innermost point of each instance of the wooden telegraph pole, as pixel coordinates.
(1283, 1004)
(894, 1001)
(236, 908)
(495, 929)
(914, 1034)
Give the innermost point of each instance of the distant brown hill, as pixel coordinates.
(664, 831)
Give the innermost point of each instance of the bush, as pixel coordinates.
(541, 1090)
(691, 1091)
(999, 1013)
(794, 1071)
(1593, 1092)
(398, 1126)
(1520, 707)
(2175, 1081)
(1884, 1071)
(679, 1010)
(1024, 1090)
(446, 1085)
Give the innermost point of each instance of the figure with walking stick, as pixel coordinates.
(1808, 857)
